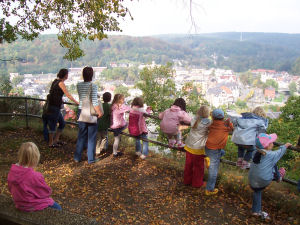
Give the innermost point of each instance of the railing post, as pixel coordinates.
(26, 113)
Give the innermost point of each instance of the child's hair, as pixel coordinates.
(138, 102)
(259, 111)
(28, 155)
(106, 97)
(180, 102)
(117, 99)
(203, 112)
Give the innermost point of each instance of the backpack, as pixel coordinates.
(133, 127)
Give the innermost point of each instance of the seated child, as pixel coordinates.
(262, 169)
(28, 187)
(195, 148)
(171, 119)
(218, 133)
(137, 126)
(246, 129)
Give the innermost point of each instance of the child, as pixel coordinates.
(194, 146)
(28, 187)
(117, 121)
(137, 126)
(217, 137)
(103, 124)
(246, 129)
(262, 169)
(171, 119)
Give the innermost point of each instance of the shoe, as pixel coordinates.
(180, 145)
(75, 160)
(138, 153)
(215, 191)
(245, 165)
(61, 143)
(172, 143)
(118, 154)
(143, 157)
(282, 174)
(263, 215)
(239, 162)
(54, 146)
(96, 160)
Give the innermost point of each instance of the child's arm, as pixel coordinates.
(184, 117)
(41, 188)
(161, 115)
(279, 153)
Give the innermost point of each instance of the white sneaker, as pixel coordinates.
(138, 153)
(143, 157)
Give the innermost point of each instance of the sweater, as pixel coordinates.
(104, 120)
(28, 188)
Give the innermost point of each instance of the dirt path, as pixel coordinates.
(128, 190)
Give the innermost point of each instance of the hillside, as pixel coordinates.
(223, 50)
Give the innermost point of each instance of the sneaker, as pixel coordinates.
(239, 162)
(263, 215)
(282, 173)
(118, 154)
(215, 191)
(143, 157)
(180, 145)
(76, 161)
(138, 153)
(245, 165)
(172, 143)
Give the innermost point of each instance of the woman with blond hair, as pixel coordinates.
(28, 187)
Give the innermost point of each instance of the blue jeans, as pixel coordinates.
(256, 201)
(249, 150)
(214, 156)
(61, 125)
(87, 137)
(138, 147)
(55, 117)
(56, 206)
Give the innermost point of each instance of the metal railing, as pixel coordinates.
(123, 133)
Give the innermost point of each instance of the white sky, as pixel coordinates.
(172, 16)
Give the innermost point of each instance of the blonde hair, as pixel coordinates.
(203, 112)
(259, 111)
(28, 155)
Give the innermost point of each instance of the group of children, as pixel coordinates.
(205, 143)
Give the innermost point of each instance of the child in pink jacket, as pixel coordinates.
(137, 126)
(117, 121)
(28, 187)
(171, 119)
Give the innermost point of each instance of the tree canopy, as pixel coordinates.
(75, 20)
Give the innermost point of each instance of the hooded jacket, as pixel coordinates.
(171, 119)
(140, 124)
(117, 116)
(247, 128)
(29, 189)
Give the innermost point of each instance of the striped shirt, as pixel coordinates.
(83, 88)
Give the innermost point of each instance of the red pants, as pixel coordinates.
(194, 170)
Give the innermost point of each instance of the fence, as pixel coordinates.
(27, 115)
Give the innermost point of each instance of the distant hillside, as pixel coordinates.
(224, 50)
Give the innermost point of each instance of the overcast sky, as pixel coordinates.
(172, 16)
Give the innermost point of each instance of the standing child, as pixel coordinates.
(246, 129)
(262, 170)
(103, 124)
(117, 121)
(217, 137)
(195, 148)
(171, 119)
(137, 126)
(28, 187)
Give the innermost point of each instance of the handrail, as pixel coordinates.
(129, 135)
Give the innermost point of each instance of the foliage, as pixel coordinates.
(241, 104)
(296, 66)
(121, 89)
(75, 20)
(271, 83)
(5, 85)
(292, 88)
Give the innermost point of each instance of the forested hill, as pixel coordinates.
(224, 50)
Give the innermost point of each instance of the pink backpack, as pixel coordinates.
(133, 127)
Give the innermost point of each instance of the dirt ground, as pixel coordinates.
(128, 190)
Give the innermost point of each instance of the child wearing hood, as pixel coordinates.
(28, 187)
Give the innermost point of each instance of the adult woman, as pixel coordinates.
(87, 132)
(57, 90)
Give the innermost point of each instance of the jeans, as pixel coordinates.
(87, 136)
(61, 125)
(55, 117)
(249, 150)
(56, 206)
(214, 156)
(138, 147)
(256, 201)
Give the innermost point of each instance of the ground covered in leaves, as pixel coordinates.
(128, 190)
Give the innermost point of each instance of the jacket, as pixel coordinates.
(261, 174)
(171, 119)
(197, 137)
(29, 189)
(117, 116)
(247, 128)
(218, 134)
(104, 121)
(137, 124)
